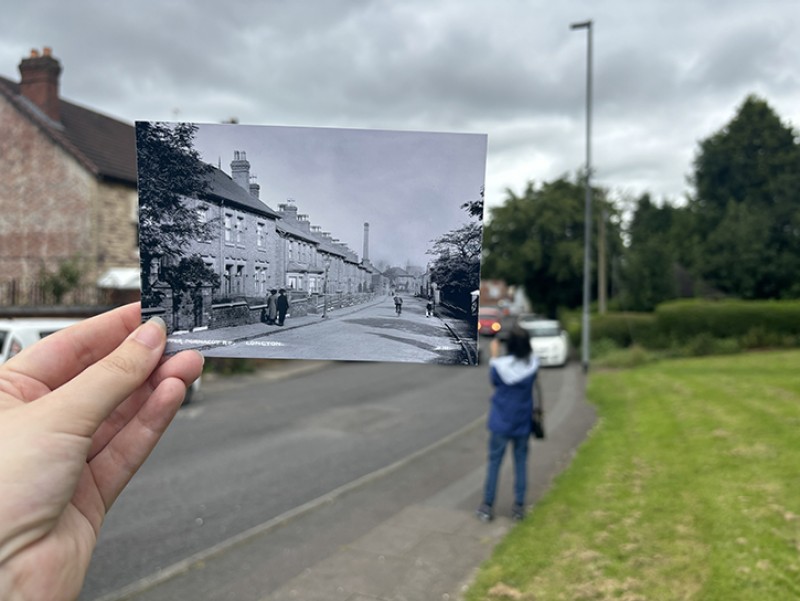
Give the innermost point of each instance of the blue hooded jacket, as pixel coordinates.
(512, 401)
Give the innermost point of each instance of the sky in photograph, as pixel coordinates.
(409, 186)
(665, 74)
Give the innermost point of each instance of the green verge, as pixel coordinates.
(688, 488)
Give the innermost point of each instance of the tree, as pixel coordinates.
(746, 205)
(457, 267)
(66, 278)
(475, 207)
(169, 171)
(652, 256)
(536, 240)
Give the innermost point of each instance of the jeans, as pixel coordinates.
(497, 448)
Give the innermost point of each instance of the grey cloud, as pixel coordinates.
(666, 74)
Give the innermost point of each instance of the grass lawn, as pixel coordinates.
(688, 488)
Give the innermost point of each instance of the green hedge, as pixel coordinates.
(699, 326)
(756, 323)
(625, 329)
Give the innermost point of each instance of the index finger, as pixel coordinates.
(58, 358)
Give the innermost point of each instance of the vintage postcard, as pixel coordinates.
(312, 243)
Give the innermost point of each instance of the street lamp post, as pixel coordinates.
(587, 25)
(325, 290)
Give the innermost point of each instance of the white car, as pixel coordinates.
(17, 334)
(549, 341)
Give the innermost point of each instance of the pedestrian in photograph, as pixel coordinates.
(512, 404)
(429, 308)
(272, 307)
(398, 304)
(282, 303)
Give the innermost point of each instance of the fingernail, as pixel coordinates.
(151, 334)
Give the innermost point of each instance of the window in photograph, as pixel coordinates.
(228, 227)
(239, 230)
(228, 279)
(239, 282)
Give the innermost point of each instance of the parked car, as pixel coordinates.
(549, 341)
(17, 334)
(489, 321)
(524, 318)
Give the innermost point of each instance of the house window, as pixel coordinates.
(259, 285)
(239, 230)
(291, 250)
(202, 218)
(260, 235)
(239, 283)
(227, 280)
(228, 227)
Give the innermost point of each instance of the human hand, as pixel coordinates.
(80, 411)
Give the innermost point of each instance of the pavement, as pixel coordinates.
(206, 339)
(414, 536)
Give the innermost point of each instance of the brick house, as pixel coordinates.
(67, 192)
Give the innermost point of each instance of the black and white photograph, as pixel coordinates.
(312, 243)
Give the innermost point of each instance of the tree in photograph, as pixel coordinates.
(536, 241)
(746, 205)
(475, 207)
(170, 170)
(457, 267)
(189, 275)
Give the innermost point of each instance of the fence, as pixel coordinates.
(17, 293)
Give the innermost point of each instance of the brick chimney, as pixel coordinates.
(240, 169)
(288, 210)
(39, 82)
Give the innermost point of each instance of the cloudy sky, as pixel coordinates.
(409, 186)
(666, 74)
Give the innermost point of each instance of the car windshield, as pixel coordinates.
(544, 331)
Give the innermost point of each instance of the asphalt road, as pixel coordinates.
(250, 450)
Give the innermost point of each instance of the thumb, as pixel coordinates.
(88, 399)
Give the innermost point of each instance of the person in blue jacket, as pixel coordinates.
(513, 377)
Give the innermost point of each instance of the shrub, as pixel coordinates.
(632, 356)
(603, 347)
(626, 329)
(705, 344)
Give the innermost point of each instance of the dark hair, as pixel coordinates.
(518, 343)
(282, 290)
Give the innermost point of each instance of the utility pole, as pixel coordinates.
(602, 286)
(585, 323)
